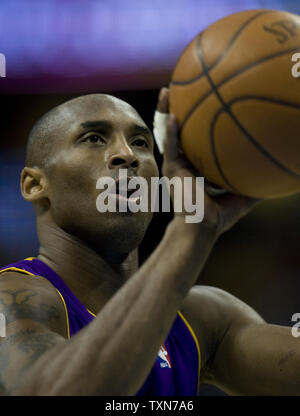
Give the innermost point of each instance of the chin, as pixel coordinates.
(121, 232)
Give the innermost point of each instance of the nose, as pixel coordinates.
(124, 158)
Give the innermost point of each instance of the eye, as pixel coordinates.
(140, 142)
(94, 138)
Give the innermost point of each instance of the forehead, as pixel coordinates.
(97, 107)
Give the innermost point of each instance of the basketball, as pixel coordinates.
(235, 91)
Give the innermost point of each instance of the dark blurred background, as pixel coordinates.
(56, 50)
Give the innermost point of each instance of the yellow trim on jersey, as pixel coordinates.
(196, 342)
(194, 338)
(30, 258)
(34, 275)
(17, 270)
(66, 311)
(67, 317)
(91, 313)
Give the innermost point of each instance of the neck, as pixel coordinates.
(92, 278)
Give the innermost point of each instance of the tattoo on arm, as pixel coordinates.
(36, 345)
(19, 305)
(29, 342)
(14, 305)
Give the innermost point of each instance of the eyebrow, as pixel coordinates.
(103, 124)
(97, 124)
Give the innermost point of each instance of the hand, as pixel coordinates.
(220, 212)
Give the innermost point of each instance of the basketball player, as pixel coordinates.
(83, 319)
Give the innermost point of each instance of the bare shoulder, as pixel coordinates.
(31, 298)
(35, 321)
(211, 312)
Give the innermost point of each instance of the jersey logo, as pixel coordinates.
(163, 357)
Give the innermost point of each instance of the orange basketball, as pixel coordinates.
(236, 94)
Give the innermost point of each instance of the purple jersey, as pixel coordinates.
(177, 367)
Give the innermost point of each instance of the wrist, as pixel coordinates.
(203, 227)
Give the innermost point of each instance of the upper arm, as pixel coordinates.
(258, 359)
(244, 354)
(35, 321)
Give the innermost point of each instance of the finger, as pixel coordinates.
(171, 141)
(163, 101)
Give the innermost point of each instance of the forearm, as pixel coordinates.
(115, 353)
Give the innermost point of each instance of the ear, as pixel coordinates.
(34, 185)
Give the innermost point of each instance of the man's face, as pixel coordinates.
(96, 137)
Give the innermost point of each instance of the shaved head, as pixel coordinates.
(39, 142)
(69, 149)
(43, 135)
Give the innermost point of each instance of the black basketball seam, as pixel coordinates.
(212, 141)
(267, 99)
(214, 152)
(223, 54)
(262, 60)
(240, 71)
(226, 107)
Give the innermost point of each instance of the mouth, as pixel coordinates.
(123, 192)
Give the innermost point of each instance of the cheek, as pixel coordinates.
(73, 188)
(149, 168)
(72, 185)
(75, 172)
(73, 205)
